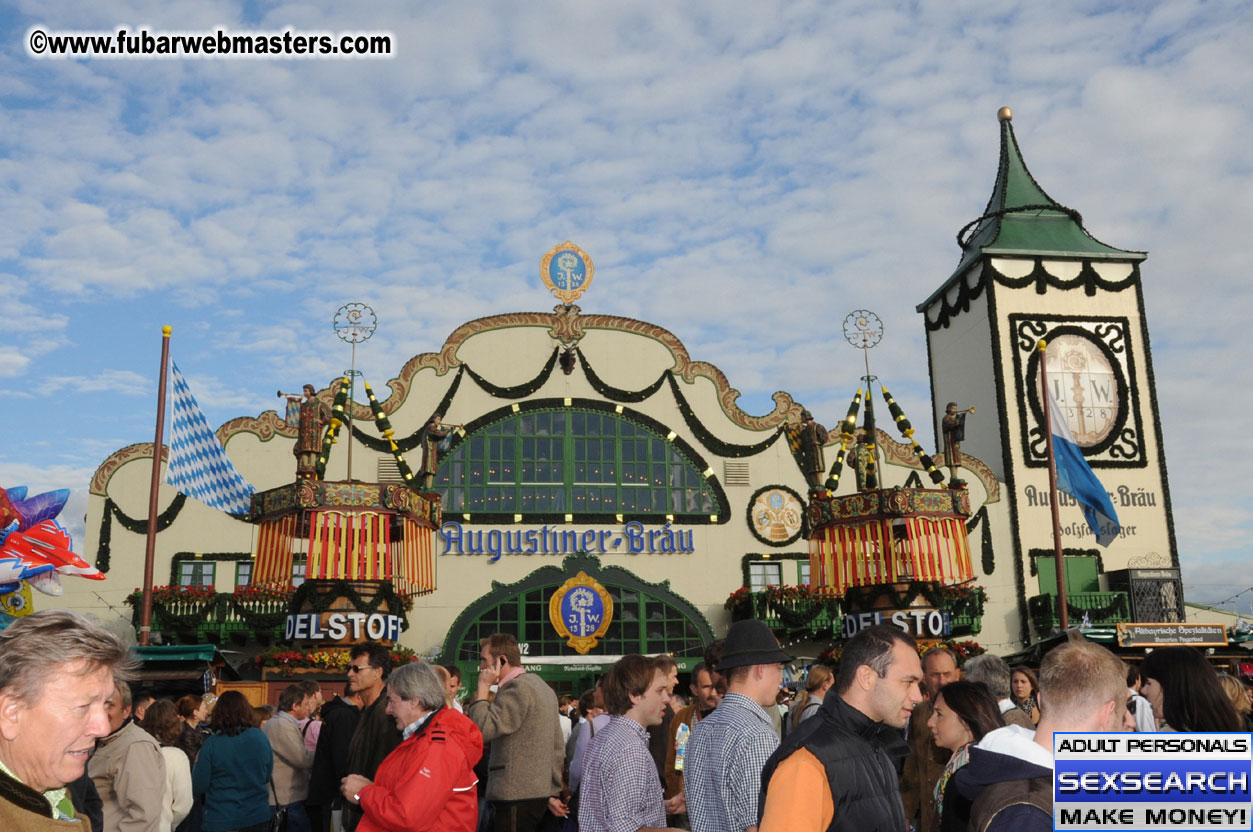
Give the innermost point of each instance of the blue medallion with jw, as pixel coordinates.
(567, 271)
(582, 610)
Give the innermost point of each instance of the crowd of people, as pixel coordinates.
(887, 740)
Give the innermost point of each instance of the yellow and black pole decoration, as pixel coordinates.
(846, 436)
(868, 437)
(907, 431)
(337, 421)
(385, 428)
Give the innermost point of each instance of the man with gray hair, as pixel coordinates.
(1009, 779)
(994, 674)
(293, 760)
(128, 771)
(57, 671)
(428, 781)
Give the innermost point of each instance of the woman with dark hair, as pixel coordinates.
(1024, 690)
(233, 770)
(162, 722)
(960, 715)
(191, 711)
(1185, 693)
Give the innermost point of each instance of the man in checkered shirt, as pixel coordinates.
(620, 791)
(729, 748)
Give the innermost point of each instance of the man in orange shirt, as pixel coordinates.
(850, 745)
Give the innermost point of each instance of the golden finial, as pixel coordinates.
(166, 330)
(1004, 114)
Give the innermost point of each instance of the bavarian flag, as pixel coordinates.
(198, 466)
(1075, 477)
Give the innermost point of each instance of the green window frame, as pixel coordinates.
(642, 623)
(197, 573)
(763, 574)
(572, 461)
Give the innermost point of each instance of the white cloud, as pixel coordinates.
(117, 382)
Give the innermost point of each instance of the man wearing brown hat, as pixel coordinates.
(728, 748)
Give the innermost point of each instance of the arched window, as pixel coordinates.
(572, 461)
(642, 623)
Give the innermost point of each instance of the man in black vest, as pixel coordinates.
(837, 770)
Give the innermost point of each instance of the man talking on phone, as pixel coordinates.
(524, 768)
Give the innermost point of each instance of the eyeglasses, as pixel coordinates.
(352, 668)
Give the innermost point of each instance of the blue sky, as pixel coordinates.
(743, 174)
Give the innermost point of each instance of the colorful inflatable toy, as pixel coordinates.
(33, 546)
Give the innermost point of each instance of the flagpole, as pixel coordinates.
(150, 549)
(1062, 608)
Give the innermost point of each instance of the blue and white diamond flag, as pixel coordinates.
(198, 465)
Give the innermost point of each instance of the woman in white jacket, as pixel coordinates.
(163, 723)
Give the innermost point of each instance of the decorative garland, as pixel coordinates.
(857, 597)
(385, 428)
(713, 443)
(797, 606)
(414, 439)
(617, 394)
(1020, 209)
(1087, 277)
(206, 606)
(752, 527)
(518, 391)
(111, 512)
(985, 539)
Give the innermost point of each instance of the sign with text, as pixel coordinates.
(1152, 781)
(633, 538)
(1159, 635)
(919, 622)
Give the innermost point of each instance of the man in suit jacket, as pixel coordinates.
(524, 769)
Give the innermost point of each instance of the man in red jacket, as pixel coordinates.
(428, 781)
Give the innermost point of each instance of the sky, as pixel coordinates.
(743, 174)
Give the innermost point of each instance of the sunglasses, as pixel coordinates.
(352, 668)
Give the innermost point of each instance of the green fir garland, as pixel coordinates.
(518, 391)
(617, 394)
(706, 438)
(414, 439)
(111, 512)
